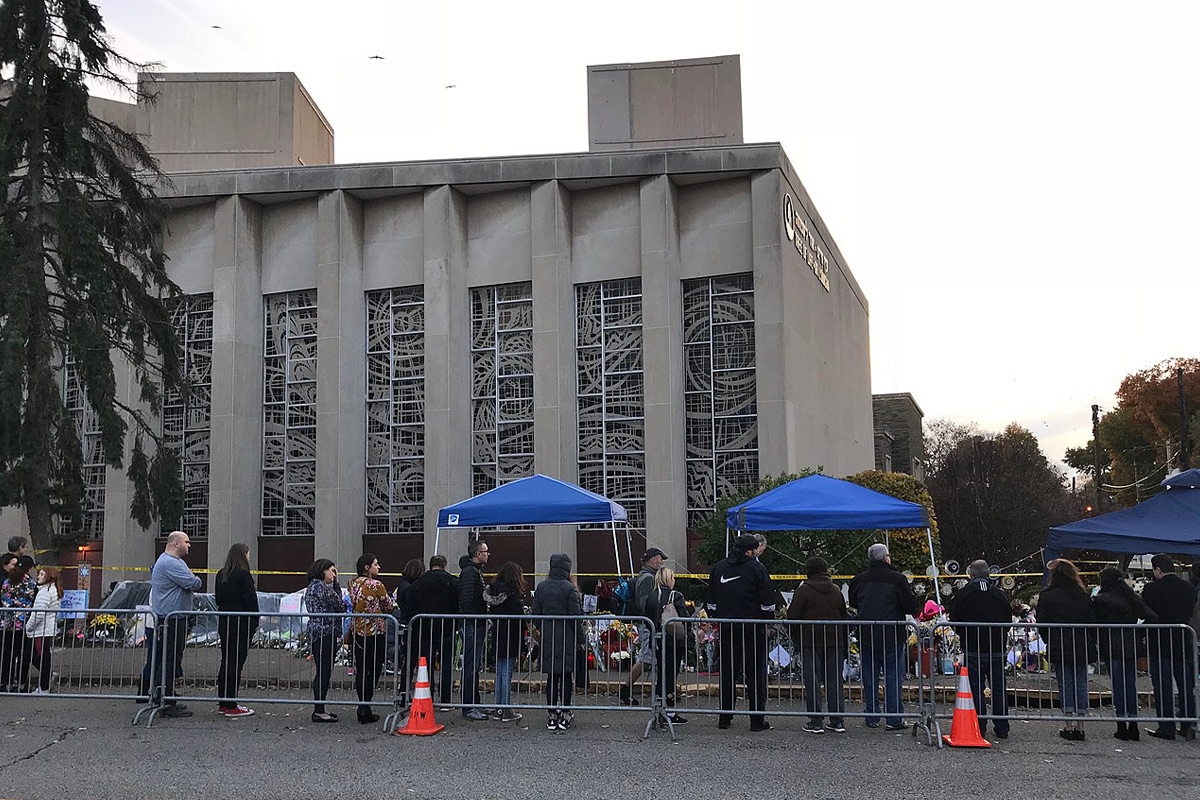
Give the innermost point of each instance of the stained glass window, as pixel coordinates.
(610, 393)
(395, 491)
(187, 415)
(289, 414)
(90, 523)
(720, 390)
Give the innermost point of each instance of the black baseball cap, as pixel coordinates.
(651, 553)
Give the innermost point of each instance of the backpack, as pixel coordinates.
(622, 597)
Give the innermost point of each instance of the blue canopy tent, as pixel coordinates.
(1169, 522)
(537, 500)
(821, 503)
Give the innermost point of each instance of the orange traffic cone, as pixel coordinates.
(964, 730)
(420, 715)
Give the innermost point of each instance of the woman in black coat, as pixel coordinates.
(558, 596)
(506, 596)
(1064, 600)
(235, 592)
(1117, 604)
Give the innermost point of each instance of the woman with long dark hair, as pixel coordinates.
(1065, 600)
(235, 592)
(506, 596)
(1118, 604)
(369, 635)
(17, 596)
(323, 596)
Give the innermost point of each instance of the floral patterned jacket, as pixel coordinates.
(19, 595)
(369, 596)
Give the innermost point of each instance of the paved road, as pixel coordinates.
(75, 749)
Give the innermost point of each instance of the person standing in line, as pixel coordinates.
(882, 594)
(323, 596)
(470, 601)
(436, 593)
(984, 648)
(1118, 604)
(19, 546)
(397, 635)
(1172, 652)
(740, 588)
(506, 596)
(368, 596)
(19, 591)
(1065, 601)
(235, 592)
(822, 648)
(641, 591)
(173, 587)
(558, 596)
(43, 624)
(11, 623)
(667, 648)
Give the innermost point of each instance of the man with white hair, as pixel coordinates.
(984, 648)
(882, 593)
(172, 587)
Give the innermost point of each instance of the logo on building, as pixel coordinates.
(798, 233)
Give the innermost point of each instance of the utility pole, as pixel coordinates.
(1185, 455)
(1096, 453)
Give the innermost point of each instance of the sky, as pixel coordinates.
(1012, 184)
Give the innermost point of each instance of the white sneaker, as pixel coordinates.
(40, 690)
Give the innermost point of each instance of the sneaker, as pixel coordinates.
(627, 698)
(676, 719)
(1157, 734)
(239, 711)
(813, 727)
(475, 714)
(835, 727)
(444, 709)
(40, 690)
(497, 714)
(552, 722)
(903, 726)
(871, 724)
(509, 716)
(565, 718)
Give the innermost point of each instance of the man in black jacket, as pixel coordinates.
(882, 593)
(435, 592)
(1171, 652)
(470, 601)
(740, 588)
(984, 647)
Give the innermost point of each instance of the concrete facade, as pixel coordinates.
(237, 120)
(899, 438)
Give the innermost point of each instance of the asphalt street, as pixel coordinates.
(75, 749)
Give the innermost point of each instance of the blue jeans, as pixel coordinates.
(472, 653)
(1124, 683)
(988, 668)
(1072, 688)
(1180, 666)
(891, 661)
(504, 673)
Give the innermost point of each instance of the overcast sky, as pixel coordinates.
(1013, 184)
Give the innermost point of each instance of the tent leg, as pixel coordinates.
(727, 535)
(616, 550)
(629, 547)
(937, 591)
(437, 537)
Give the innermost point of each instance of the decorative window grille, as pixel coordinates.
(187, 417)
(610, 393)
(289, 414)
(501, 385)
(720, 390)
(395, 501)
(90, 522)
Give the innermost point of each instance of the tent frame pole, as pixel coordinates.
(933, 563)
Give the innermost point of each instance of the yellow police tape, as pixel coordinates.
(606, 575)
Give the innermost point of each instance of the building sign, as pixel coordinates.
(806, 243)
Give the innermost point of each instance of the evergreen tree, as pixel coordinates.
(82, 270)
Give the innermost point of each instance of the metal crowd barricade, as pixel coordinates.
(771, 668)
(81, 653)
(1067, 672)
(228, 658)
(558, 664)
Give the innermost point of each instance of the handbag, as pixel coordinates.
(670, 612)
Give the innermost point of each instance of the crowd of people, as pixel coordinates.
(434, 609)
